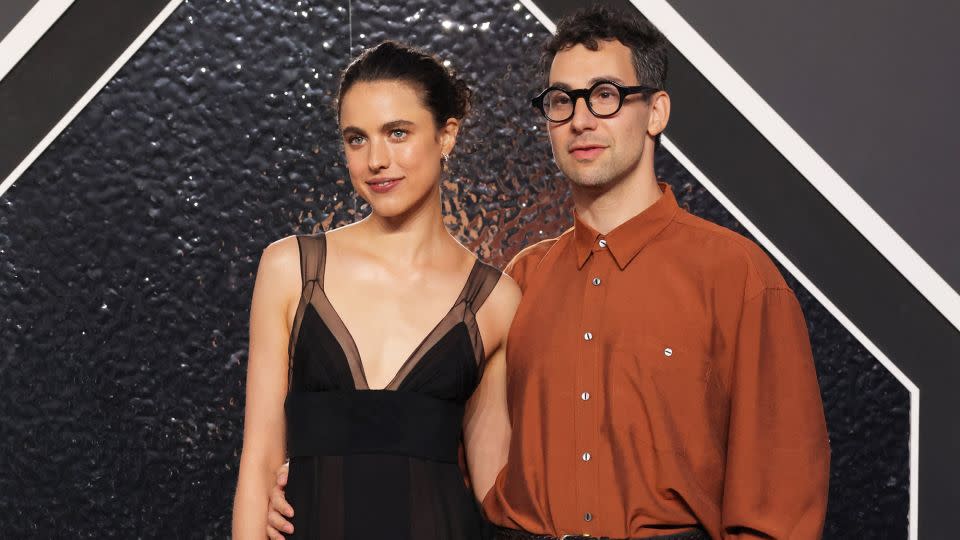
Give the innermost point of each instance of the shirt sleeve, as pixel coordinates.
(778, 454)
(522, 266)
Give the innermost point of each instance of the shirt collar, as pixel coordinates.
(625, 241)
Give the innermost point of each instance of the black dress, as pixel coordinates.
(369, 464)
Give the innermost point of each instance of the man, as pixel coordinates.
(660, 381)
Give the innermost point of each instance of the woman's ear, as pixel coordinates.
(448, 135)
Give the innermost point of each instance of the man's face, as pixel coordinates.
(591, 151)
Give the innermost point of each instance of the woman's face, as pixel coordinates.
(392, 145)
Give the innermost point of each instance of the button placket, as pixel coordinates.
(588, 400)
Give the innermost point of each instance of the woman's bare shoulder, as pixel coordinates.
(497, 312)
(281, 254)
(505, 296)
(279, 271)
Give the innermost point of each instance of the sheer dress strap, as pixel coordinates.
(312, 248)
(313, 255)
(483, 279)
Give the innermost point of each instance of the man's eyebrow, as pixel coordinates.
(608, 78)
(591, 82)
(353, 130)
(560, 85)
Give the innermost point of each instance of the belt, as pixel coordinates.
(373, 422)
(513, 534)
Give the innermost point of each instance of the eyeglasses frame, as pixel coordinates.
(584, 93)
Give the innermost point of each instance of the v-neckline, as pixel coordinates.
(461, 297)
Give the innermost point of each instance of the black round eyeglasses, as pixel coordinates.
(604, 99)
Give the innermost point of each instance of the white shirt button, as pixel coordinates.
(596, 281)
(602, 243)
(586, 456)
(588, 336)
(668, 352)
(585, 396)
(588, 516)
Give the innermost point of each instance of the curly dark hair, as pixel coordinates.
(446, 95)
(591, 25)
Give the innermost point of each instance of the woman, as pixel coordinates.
(349, 366)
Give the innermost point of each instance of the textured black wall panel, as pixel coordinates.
(127, 254)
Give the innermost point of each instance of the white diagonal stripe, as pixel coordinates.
(28, 31)
(89, 95)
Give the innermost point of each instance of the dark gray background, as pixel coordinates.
(872, 87)
(11, 11)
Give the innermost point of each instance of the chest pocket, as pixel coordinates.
(654, 356)
(661, 394)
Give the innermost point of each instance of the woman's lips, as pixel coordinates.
(383, 185)
(588, 152)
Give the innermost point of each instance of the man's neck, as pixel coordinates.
(607, 207)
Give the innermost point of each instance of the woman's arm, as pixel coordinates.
(264, 450)
(486, 426)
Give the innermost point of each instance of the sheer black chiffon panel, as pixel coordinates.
(363, 497)
(315, 491)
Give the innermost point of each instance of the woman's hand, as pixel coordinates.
(279, 509)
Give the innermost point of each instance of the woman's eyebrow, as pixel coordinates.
(353, 130)
(396, 124)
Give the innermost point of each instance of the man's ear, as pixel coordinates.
(659, 113)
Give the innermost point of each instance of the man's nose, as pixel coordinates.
(582, 119)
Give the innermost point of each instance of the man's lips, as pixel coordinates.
(586, 151)
(383, 185)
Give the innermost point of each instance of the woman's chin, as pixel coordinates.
(390, 209)
(397, 205)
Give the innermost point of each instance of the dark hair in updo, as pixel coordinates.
(446, 95)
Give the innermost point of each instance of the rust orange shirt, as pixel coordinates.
(660, 376)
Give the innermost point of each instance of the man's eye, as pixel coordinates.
(398, 133)
(356, 139)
